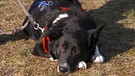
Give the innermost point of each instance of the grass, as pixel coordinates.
(117, 41)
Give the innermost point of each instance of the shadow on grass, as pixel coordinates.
(18, 36)
(115, 38)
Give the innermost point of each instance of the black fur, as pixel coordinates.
(72, 39)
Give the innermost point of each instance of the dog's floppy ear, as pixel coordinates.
(52, 34)
(38, 48)
(94, 34)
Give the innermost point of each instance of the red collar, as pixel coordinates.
(45, 42)
(66, 9)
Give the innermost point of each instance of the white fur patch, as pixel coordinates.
(61, 16)
(58, 69)
(51, 58)
(82, 65)
(97, 57)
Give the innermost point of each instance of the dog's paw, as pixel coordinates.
(98, 59)
(52, 59)
(82, 65)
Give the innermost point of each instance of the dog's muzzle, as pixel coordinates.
(64, 68)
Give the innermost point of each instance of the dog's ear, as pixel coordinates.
(93, 34)
(52, 34)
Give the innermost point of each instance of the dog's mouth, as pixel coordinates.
(65, 68)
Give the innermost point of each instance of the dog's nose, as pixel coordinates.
(63, 69)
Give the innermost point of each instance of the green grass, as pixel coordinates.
(117, 41)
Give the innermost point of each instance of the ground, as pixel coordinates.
(117, 41)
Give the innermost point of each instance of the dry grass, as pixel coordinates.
(117, 41)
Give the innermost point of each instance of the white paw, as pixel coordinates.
(51, 58)
(82, 65)
(98, 59)
(58, 69)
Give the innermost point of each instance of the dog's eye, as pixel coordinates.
(74, 50)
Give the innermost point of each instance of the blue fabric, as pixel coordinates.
(35, 4)
(32, 33)
(44, 3)
(41, 3)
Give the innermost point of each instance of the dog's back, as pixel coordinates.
(48, 13)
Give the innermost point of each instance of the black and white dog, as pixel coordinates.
(73, 34)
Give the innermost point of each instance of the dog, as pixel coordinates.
(64, 32)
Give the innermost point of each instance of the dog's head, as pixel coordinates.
(72, 48)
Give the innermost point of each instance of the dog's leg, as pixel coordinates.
(97, 57)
